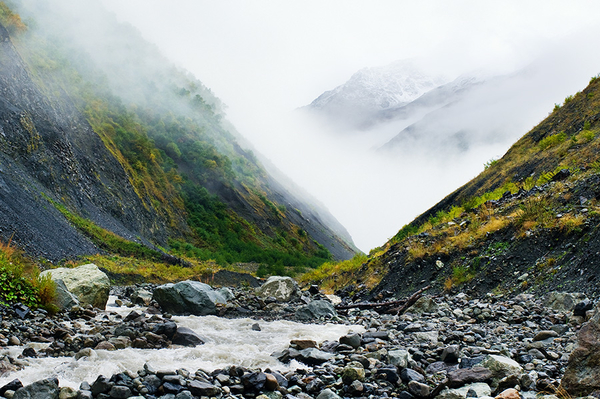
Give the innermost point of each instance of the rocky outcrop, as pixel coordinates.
(87, 283)
(283, 289)
(582, 376)
(189, 297)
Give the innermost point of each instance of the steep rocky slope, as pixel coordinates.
(146, 153)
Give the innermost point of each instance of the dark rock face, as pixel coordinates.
(582, 376)
(47, 148)
(186, 337)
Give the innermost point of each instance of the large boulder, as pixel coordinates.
(582, 376)
(281, 288)
(87, 283)
(188, 297)
(316, 310)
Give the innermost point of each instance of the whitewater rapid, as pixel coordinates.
(227, 342)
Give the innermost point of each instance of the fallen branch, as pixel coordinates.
(409, 302)
(406, 303)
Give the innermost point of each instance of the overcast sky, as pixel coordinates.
(266, 58)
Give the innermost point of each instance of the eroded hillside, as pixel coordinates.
(93, 161)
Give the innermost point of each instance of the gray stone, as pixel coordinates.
(200, 388)
(281, 288)
(43, 389)
(501, 367)
(316, 310)
(120, 392)
(351, 339)
(313, 356)
(562, 301)
(425, 304)
(328, 394)
(64, 299)
(141, 296)
(399, 358)
(90, 285)
(188, 297)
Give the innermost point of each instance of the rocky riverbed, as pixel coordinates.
(446, 347)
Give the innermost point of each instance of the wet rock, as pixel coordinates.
(316, 310)
(283, 289)
(141, 296)
(254, 381)
(313, 356)
(101, 385)
(186, 337)
(352, 339)
(90, 285)
(169, 329)
(11, 386)
(43, 389)
(188, 297)
(303, 344)
(105, 345)
(21, 310)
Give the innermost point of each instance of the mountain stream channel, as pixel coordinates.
(227, 342)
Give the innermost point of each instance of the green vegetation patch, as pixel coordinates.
(20, 281)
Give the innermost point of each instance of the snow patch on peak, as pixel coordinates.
(378, 88)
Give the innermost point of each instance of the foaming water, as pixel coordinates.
(228, 342)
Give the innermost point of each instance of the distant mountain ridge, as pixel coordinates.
(372, 90)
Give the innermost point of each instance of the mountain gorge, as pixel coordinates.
(527, 224)
(107, 147)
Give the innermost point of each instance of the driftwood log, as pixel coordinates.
(397, 307)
